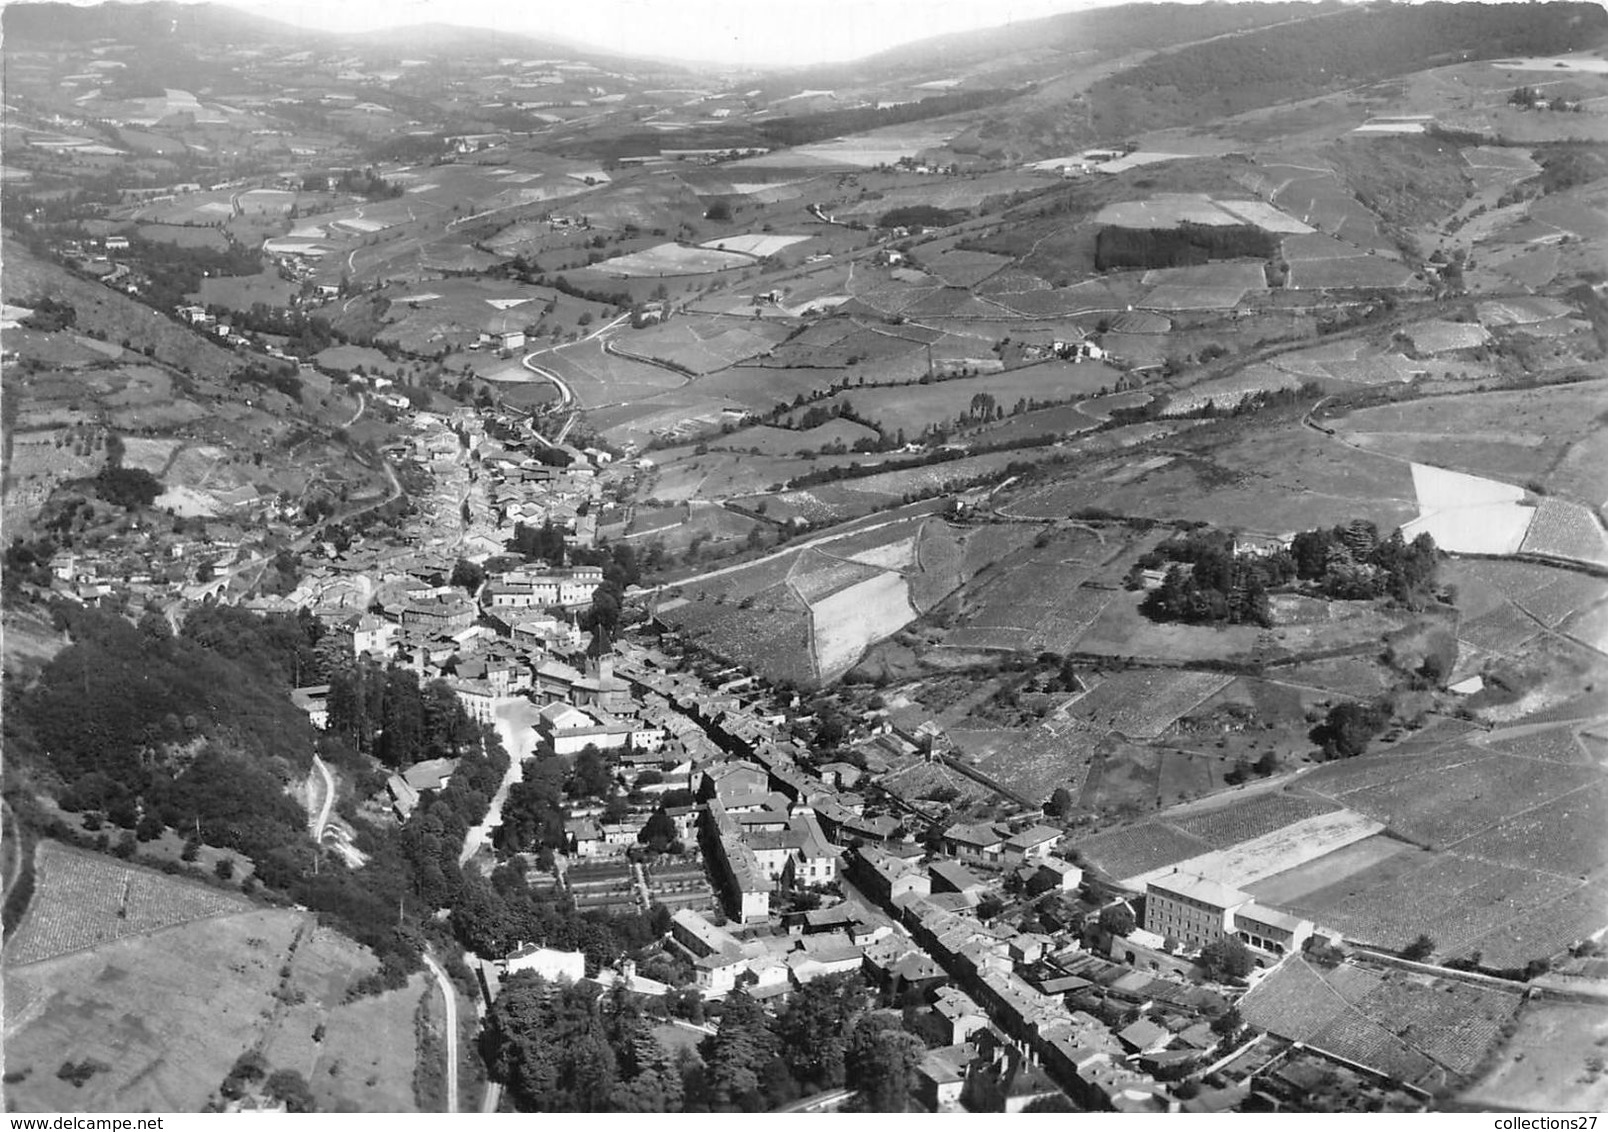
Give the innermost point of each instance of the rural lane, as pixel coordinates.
(516, 717)
(452, 1030)
(329, 800)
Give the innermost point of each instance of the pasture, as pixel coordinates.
(1544, 1066)
(1515, 436)
(701, 345)
(163, 1015)
(945, 403)
(756, 244)
(184, 236)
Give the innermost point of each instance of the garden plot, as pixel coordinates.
(1166, 211)
(1303, 840)
(1521, 311)
(1545, 929)
(1558, 745)
(1176, 297)
(1357, 271)
(1144, 703)
(1037, 762)
(756, 244)
(1140, 850)
(1503, 631)
(1478, 796)
(1244, 820)
(1563, 836)
(1438, 336)
(1561, 529)
(83, 900)
(1231, 274)
(671, 259)
(1455, 900)
(1264, 216)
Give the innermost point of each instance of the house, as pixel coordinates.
(941, 1077)
(1033, 844)
(511, 340)
(1054, 873)
(314, 700)
(1144, 1036)
(584, 837)
(1269, 929)
(370, 634)
(952, 876)
(959, 1013)
(973, 842)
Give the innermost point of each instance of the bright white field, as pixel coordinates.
(672, 259)
(1272, 853)
(753, 243)
(1439, 489)
(1497, 528)
(1165, 212)
(893, 556)
(1265, 216)
(851, 620)
(1557, 63)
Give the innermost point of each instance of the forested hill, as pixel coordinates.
(1345, 49)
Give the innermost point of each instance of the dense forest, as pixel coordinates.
(1342, 49)
(1183, 246)
(802, 129)
(563, 1048)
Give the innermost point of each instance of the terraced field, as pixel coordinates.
(86, 899)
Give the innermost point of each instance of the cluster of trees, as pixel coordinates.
(1185, 245)
(1352, 562)
(49, 314)
(1349, 727)
(1349, 562)
(387, 713)
(563, 1049)
(362, 182)
(308, 333)
(1218, 587)
(129, 488)
(281, 378)
(921, 216)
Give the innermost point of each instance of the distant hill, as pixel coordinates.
(161, 22)
(1346, 48)
(165, 23)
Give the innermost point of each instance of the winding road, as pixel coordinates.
(452, 1030)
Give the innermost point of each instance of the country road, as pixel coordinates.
(329, 800)
(452, 1030)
